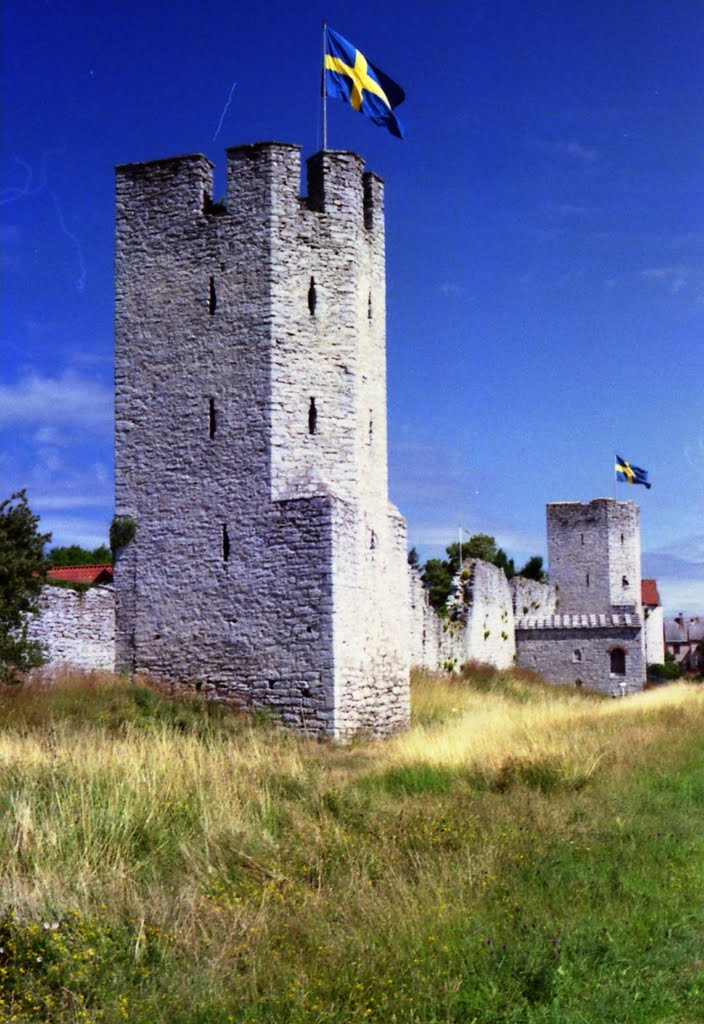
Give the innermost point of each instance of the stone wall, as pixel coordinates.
(480, 601)
(478, 626)
(250, 424)
(654, 635)
(76, 629)
(577, 650)
(530, 597)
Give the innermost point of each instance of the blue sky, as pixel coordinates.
(545, 242)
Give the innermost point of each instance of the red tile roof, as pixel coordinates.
(81, 573)
(649, 592)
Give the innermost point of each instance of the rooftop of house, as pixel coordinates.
(684, 629)
(89, 574)
(649, 593)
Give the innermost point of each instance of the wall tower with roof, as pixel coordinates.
(595, 639)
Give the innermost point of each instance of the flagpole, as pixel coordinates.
(325, 96)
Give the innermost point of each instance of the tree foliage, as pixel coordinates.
(667, 671)
(22, 575)
(438, 572)
(533, 569)
(437, 578)
(74, 554)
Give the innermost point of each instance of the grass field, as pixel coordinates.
(522, 854)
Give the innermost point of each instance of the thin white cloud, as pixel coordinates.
(59, 503)
(570, 149)
(453, 291)
(66, 400)
(680, 578)
(673, 278)
(82, 530)
(577, 151)
(569, 209)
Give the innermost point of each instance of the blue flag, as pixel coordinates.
(628, 474)
(350, 77)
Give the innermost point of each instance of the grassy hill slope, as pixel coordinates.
(522, 854)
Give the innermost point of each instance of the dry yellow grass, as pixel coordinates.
(84, 797)
(481, 730)
(251, 845)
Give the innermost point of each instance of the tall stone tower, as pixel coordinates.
(594, 555)
(251, 451)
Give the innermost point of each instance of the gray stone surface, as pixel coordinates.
(594, 554)
(250, 441)
(530, 597)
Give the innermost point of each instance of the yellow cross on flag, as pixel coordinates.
(350, 77)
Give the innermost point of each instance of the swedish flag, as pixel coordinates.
(350, 77)
(629, 474)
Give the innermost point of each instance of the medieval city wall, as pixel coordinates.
(76, 628)
(480, 601)
(479, 625)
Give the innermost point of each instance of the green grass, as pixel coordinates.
(524, 854)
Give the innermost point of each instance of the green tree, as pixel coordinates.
(533, 569)
(504, 562)
(668, 670)
(74, 554)
(437, 578)
(479, 545)
(22, 576)
(483, 546)
(413, 558)
(438, 573)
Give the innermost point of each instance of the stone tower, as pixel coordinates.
(594, 555)
(250, 416)
(595, 639)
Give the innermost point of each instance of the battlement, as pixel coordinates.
(582, 509)
(173, 186)
(262, 178)
(580, 621)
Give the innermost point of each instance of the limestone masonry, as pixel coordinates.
(250, 438)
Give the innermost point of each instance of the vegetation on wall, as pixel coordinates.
(22, 576)
(122, 531)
